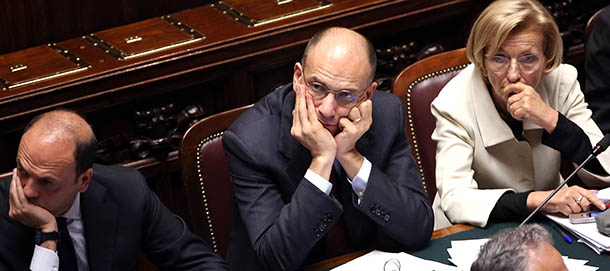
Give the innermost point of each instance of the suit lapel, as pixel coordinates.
(363, 144)
(100, 220)
(297, 156)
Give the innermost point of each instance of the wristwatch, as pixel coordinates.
(41, 236)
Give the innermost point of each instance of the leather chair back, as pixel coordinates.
(417, 85)
(207, 179)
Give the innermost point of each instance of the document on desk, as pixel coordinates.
(464, 252)
(604, 193)
(386, 261)
(587, 233)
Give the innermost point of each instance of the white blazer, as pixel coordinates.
(478, 158)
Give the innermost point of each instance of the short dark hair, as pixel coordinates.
(368, 46)
(85, 148)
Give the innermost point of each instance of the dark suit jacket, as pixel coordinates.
(280, 218)
(121, 217)
(597, 71)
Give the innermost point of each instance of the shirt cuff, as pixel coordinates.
(362, 178)
(318, 181)
(44, 259)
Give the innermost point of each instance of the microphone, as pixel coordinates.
(600, 147)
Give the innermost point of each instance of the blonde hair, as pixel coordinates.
(504, 17)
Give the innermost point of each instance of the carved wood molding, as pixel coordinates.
(571, 17)
(394, 58)
(158, 131)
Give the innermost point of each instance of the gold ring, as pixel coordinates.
(579, 199)
(357, 120)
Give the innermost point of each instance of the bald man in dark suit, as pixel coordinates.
(58, 210)
(322, 166)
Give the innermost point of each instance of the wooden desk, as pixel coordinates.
(334, 262)
(436, 250)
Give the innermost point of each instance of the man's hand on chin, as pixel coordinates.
(308, 130)
(352, 128)
(27, 213)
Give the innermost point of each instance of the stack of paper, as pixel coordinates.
(464, 253)
(377, 260)
(587, 232)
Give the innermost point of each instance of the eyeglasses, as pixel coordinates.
(344, 98)
(500, 63)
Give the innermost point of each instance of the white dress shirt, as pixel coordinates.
(358, 184)
(45, 259)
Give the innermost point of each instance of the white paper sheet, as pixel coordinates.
(376, 260)
(604, 193)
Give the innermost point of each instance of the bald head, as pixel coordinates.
(62, 126)
(342, 43)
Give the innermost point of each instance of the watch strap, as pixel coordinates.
(41, 236)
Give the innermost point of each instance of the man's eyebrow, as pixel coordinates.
(315, 80)
(20, 167)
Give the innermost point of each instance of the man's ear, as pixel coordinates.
(297, 76)
(84, 179)
(371, 89)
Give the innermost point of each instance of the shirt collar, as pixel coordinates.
(74, 211)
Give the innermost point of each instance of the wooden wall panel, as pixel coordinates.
(32, 22)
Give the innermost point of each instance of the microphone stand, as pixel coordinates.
(556, 190)
(599, 148)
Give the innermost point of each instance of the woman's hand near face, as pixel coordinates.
(524, 103)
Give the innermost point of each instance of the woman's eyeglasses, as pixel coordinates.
(500, 63)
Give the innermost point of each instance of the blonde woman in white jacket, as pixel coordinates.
(505, 122)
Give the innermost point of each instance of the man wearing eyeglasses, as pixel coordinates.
(322, 166)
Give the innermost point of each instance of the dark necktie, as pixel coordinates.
(337, 242)
(65, 248)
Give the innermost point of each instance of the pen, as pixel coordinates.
(564, 234)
